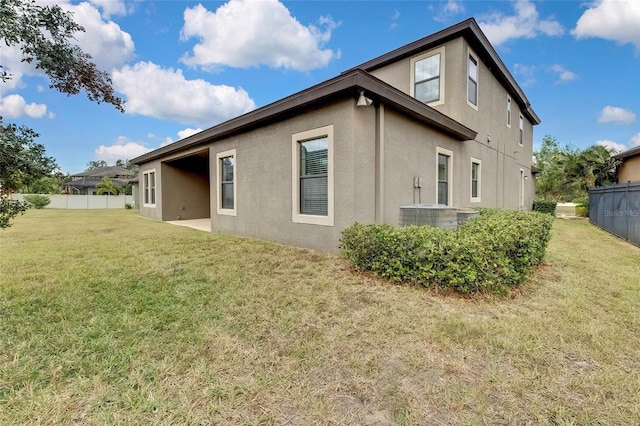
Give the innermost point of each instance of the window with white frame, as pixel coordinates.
(149, 188)
(427, 77)
(226, 172)
(521, 131)
(508, 111)
(476, 179)
(444, 176)
(312, 176)
(472, 81)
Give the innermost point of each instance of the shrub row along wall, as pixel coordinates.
(489, 253)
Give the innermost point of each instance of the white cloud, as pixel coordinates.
(244, 33)
(111, 7)
(166, 94)
(185, 133)
(394, 19)
(123, 149)
(109, 46)
(563, 73)
(105, 41)
(612, 114)
(635, 140)
(526, 23)
(611, 145)
(612, 20)
(526, 74)
(450, 9)
(14, 106)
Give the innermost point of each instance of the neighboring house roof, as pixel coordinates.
(628, 153)
(110, 171)
(471, 31)
(90, 182)
(346, 84)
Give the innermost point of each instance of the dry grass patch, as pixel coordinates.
(111, 318)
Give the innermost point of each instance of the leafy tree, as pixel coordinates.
(22, 162)
(108, 187)
(44, 34)
(567, 173)
(96, 164)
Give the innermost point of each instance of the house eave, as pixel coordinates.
(344, 85)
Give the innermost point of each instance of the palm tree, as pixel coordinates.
(108, 187)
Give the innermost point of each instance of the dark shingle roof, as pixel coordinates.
(110, 171)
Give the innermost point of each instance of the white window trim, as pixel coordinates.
(144, 187)
(448, 153)
(412, 86)
(220, 210)
(509, 111)
(479, 163)
(470, 53)
(520, 130)
(296, 216)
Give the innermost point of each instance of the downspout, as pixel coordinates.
(379, 166)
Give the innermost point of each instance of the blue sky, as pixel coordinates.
(182, 66)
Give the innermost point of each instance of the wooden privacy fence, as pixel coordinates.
(85, 201)
(616, 209)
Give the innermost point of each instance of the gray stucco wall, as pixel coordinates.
(264, 178)
(496, 144)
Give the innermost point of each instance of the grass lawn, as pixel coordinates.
(106, 317)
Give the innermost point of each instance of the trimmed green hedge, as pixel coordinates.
(545, 206)
(37, 201)
(489, 253)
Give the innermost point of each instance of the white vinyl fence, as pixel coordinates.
(85, 201)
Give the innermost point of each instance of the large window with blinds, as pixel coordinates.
(313, 176)
(226, 172)
(314, 162)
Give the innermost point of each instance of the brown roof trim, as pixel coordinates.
(470, 30)
(346, 84)
(628, 153)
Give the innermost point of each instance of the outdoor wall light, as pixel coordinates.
(363, 101)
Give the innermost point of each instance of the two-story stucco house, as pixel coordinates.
(440, 120)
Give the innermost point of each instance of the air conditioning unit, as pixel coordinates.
(437, 215)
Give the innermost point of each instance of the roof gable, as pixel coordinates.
(470, 30)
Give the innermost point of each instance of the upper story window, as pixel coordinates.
(149, 188)
(521, 131)
(427, 77)
(227, 182)
(312, 172)
(472, 83)
(508, 111)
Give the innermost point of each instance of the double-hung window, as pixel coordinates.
(444, 176)
(226, 172)
(427, 77)
(475, 179)
(472, 83)
(521, 131)
(312, 175)
(149, 188)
